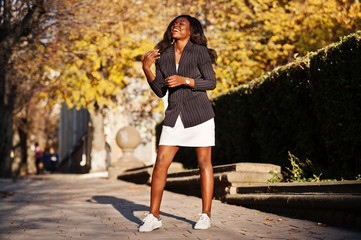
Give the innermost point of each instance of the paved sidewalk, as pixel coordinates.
(72, 207)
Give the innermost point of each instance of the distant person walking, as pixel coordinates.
(38, 159)
(51, 160)
(184, 70)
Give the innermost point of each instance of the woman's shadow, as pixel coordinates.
(127, 208)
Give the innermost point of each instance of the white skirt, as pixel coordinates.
(202, 135)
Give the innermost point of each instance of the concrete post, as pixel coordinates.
(127, 138)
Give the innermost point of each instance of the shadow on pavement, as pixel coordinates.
(127, 208)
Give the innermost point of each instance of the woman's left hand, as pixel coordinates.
(175, 81)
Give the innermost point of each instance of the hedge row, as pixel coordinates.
(311, 108)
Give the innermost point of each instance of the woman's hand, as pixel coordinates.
(149, 58)
(175, 81)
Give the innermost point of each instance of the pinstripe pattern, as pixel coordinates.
(192, 105)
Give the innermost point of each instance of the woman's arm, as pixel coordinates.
(148, 60)
(208, 79)
(156, 83)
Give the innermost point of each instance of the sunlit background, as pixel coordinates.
(74, 76)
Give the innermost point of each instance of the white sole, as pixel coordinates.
(151, 229)
(202, 228)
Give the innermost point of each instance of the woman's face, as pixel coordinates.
(181, 29)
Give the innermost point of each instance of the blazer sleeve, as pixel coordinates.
(207, 80)
(158, 84)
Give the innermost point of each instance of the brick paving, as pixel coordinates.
(72, 207)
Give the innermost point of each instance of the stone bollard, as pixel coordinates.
(127, 138)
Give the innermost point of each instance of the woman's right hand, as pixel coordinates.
(150, 57)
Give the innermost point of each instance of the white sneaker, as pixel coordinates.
(150, 223)
(204, 222)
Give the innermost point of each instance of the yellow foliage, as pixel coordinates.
(102, 44)
(96, 52)
(252, 37)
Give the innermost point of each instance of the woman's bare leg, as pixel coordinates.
(164, 159)
(207, 181)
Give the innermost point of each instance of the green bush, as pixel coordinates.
(335, 91)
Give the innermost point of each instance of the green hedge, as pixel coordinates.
(311, 108)
(335, 91)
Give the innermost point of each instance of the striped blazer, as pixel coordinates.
(192, 104)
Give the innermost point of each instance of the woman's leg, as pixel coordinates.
(207, 181)
(164, 159)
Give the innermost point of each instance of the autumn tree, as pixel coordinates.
(20, 21)
(88, 52)
(98, 49)
(255, 36)
(33, 120)
(94, 53)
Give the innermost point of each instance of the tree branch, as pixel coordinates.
(23, 28)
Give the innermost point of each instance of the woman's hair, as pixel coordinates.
(197, 36)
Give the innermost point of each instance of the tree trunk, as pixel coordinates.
(10, 36)
(19, 151)
(98, 150)
(6, 119)
(6, 135)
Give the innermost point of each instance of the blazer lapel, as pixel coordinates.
(169, 61)
(185, 55)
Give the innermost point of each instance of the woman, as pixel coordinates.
(184, 69)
